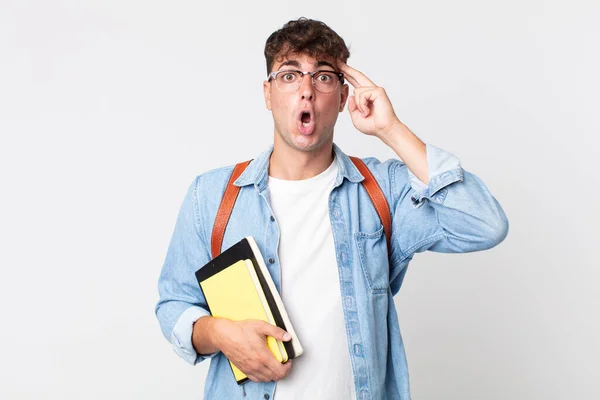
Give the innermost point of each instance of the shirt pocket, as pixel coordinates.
(373, 253)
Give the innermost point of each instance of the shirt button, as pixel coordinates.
(358, 350)
(348, 300)
(272, 218)
(267, 396)
(271, 260)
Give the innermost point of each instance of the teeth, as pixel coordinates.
(305, 124)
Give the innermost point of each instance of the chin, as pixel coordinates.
(308, 143)
(304, 143)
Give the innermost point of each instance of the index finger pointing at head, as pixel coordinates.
(356, 78)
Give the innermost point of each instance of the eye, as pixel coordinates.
(288, 77)
(325, 77)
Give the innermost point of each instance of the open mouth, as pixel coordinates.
(305, 119)
(306, 122)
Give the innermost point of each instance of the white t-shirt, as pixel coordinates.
(310, 289)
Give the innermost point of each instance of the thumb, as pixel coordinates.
(278, 333)
(352, 104)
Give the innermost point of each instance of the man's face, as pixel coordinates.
(288, 107)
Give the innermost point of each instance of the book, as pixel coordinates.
(237, 285)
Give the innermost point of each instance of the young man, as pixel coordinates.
(303, 202)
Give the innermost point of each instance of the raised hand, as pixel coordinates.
(369, 106)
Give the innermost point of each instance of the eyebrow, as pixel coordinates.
(296, 64)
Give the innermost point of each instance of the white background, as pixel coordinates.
(109, 109)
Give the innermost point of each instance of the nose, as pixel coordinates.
(307, 89)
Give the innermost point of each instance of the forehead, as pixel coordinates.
(301, 60)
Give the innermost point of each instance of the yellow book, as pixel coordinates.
(237, 285)
(234, 293)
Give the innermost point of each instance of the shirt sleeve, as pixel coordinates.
(182, 334)
(181, 301)
(439, 163)
(454, 213)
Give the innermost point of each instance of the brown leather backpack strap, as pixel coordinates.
(377, 197)
(225, 209)
(231, 192)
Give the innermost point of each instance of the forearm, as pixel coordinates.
(203, 337)
(409, 148)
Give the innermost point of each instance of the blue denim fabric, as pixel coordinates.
(453, 213)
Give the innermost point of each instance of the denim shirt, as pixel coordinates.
(454, 213)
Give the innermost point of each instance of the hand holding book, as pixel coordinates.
(249, 323)
(244, 344)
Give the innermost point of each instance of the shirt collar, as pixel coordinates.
(257, 171)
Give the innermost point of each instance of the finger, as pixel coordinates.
(355, 77)
(257, 371)
(270, 366)
(368, 97)
(253, 369)
(362, 102)
(359, 97)
(276, 370)
(343, 67)
(363, 89)
(352, 107)
(287, 368)
(353, 81)
(270, 330)
(263, 374)
(259, 356)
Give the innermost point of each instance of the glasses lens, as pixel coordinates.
(326, 81)
(288, 81)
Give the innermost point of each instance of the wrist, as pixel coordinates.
(204, 338)
(393, 132)
(214, 331)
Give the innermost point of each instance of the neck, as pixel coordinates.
(291, 164)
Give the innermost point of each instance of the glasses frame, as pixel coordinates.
(273, 75)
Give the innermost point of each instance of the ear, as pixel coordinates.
(267, 93)
(344, 96)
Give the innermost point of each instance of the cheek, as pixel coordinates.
(279, 106)
(333, 109)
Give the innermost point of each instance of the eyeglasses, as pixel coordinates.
(289, 80)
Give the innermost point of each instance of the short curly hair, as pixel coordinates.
(304, 36)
